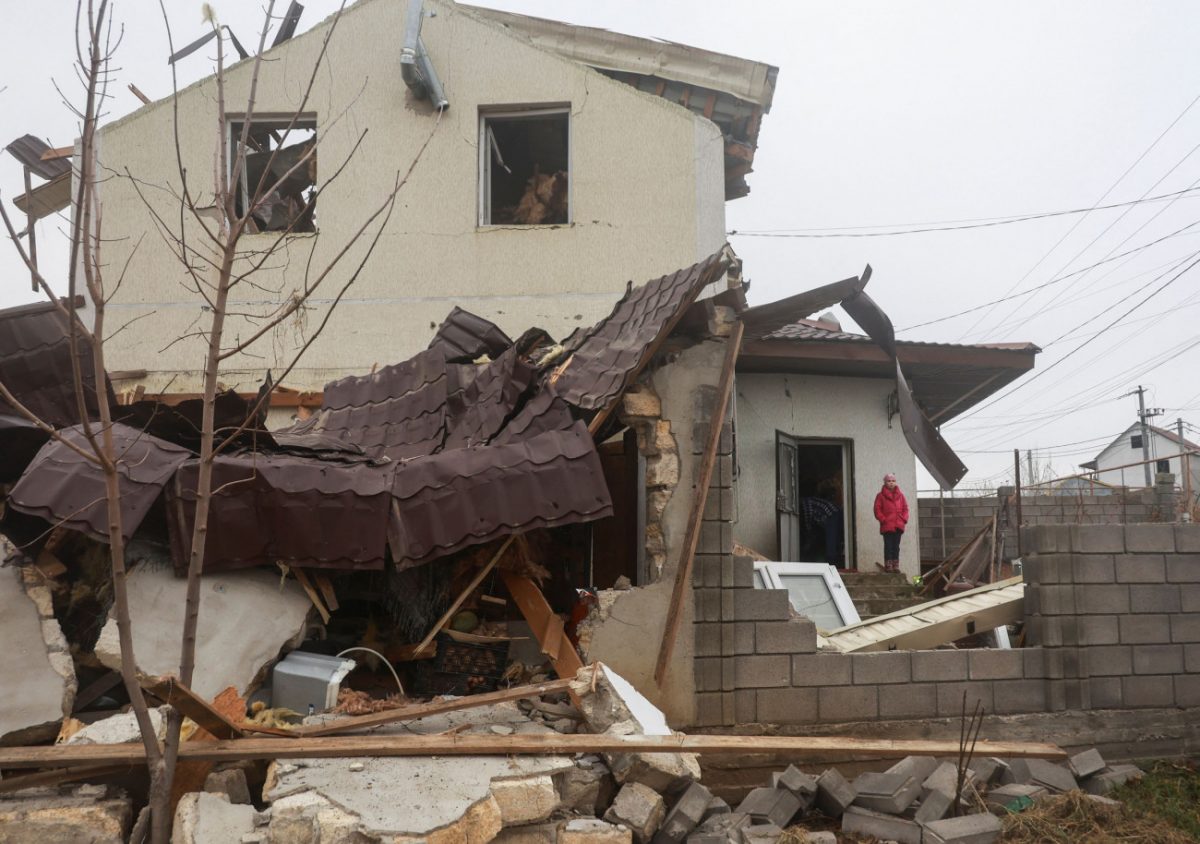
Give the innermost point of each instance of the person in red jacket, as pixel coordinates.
(891, 510)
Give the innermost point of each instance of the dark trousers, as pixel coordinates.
(891, 544)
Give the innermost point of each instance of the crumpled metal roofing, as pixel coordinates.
(448, 501)
(63, 488)
(35, 365)
(300, 511)
(463, 336)
(28, 150)
(607, 357)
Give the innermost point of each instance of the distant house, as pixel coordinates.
(1117, 463)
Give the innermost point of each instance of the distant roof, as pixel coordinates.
(1093, 465)
(946, 378)
(732, 92)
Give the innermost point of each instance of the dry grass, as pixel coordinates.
(1075, 817)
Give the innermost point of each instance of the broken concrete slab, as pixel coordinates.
(1084, 764)
(35, 651)
(119, 729)
(94, 814)
(886, 827)
(663, 772)
(588, 787)
(770, 805)
(594, 831)
(246, 619)
(525, 800)
(616, 701)
(208, 818)
(968, 829)
(538, 833)
(639, 808)
(834, 794)
(442, 796)
(891, 793)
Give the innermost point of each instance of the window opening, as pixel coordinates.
(815, 591)
(1135, 441)
(1163, 466)
(525, 165)
(291, 156)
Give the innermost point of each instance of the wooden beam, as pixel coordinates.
(458, 602)
(538, 744)
(323, 583)
(710, 104)
(545, 624)
(95, 689)
(58, 776)
(311, 591)
(434, 707)
(133, 89)
(55, 153)
(170, 690)
(683, 569)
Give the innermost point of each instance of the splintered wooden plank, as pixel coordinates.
(323, 583)
(683, 569)
(434, 707)
(311, 591)
(538, 744)
(544, 623)
(466, 593)
(58, 776)
(170, 690)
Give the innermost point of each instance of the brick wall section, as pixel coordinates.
(1116, 609)
(965, 516)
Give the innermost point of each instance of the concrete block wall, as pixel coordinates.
(963, 517)
(1116, 609)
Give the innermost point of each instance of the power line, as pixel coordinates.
(1090, 340)
(1056, 280)
(989, 222)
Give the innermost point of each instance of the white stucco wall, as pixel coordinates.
(818, 406)
(1121, 453)
(646, 182)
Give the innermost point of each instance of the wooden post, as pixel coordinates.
(30, 221)
(683, 570)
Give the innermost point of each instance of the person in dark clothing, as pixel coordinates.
(891, 511)
(822, 520)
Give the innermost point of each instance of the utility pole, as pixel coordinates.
(1143, 415)
(1029, 466)
(1185, 468)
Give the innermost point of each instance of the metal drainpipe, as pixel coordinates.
(415, 67)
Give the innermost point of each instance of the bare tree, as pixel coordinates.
(207, 241)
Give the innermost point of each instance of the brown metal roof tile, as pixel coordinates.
(62, 487)
(606, 358)
(28, 150)
(465, 336)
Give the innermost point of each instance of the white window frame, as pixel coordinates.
(483, 212)
(771, 573)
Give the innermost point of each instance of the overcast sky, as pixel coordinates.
(888, 116)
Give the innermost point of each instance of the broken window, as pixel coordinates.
(524, 167)
(280, 176)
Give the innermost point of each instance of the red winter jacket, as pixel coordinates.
(891, 509)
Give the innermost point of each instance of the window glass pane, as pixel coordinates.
(810, 596)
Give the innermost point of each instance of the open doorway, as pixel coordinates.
(814, 504)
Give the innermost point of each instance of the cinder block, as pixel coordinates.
(916, 700)
(950, 698)
(1104, 692)
(1187, 539)
(1048, 568)
(685, 815)
(1107, 661)
(1144, 629)
(1185, 628)
(917, 767)
(1086, 763)
(1102, 600)
(798, 636)
(708, 674)
(1055, 778)
(715, 537)
(758, 672)
(987, 664)
(1187, 690)
(881, 667)
(737, 638)
(1150, 539)
(802, 785)
(729, 673)
(934, 806)
(706, 571)
(1046, 539)
(892, 793)
(745, 706)
(1191, 659)
(1019, 696)
(883, 827)
(737, 572)
(760, 605)
(1157, 659)
(1034, 662)
(834, 794)
(708, 604)
(1189, 597)
(1098, 629)
(708, 639)
(1056, 599)
(709, 712)
(1090, 568)
(848, 703)
(1098, 539)
(821, 669)
(1117, 775)
(787, 706)
(1183, 568)
(1137, 692)
(770, 805)
(968, 829)
(943, 666)
(1141, 568)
